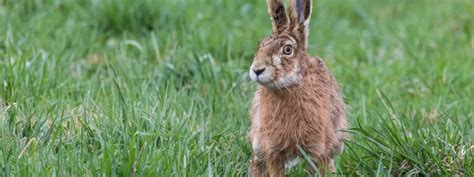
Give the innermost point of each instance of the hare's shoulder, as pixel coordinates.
(317, 62)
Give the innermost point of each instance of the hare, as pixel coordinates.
(298, 105)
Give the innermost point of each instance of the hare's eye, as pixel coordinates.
(287, 50)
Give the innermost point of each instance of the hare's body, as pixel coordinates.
(298, 106)
(285, 118)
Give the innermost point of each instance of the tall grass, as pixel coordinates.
(160, 88)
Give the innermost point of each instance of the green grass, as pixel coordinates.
(147, 88)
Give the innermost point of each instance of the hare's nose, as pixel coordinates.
(258, 71)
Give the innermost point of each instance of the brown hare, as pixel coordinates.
(298, 105)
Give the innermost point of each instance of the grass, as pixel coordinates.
(160, 88)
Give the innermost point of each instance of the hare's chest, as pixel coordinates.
(278, 138)
(281, 134)
(279, 130)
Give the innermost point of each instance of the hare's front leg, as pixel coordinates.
(258, 167)
(276, 166)
(331, 166)
(323, 162)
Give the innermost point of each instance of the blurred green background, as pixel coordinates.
(160, 88)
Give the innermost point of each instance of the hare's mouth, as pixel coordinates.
(263, 82)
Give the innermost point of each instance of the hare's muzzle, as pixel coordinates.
(258, 71)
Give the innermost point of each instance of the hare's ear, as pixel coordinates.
(276, 9)
(300, 13)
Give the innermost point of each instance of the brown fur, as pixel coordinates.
(276, 9)
(298, 103)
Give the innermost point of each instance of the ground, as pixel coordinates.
(146, 88)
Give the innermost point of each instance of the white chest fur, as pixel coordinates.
(292, 162)
(256, 123)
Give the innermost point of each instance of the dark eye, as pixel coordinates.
(287, 50)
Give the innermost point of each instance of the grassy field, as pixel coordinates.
(160, 88)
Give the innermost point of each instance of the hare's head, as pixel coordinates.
(280, 60)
